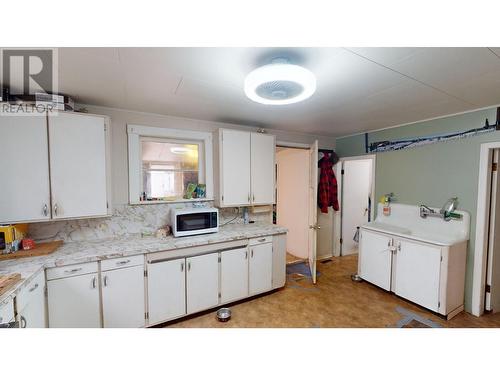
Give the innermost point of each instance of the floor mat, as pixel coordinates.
(413, 320)
(301, 269)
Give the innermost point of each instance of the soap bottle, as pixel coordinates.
(386, 200)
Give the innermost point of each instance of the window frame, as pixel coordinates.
(205, 167)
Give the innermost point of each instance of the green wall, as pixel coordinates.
(433, 173)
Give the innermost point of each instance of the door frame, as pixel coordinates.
(482, 223)
(337, 215)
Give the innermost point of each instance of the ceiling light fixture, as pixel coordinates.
(280, 83)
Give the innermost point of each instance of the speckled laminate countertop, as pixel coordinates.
(90, 251)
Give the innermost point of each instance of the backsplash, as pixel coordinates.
(126, 219)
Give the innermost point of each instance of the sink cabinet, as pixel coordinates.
(428, 274)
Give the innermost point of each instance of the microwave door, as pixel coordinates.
(192, 222)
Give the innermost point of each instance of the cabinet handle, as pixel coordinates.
(105, 280)
(73, 270)
(251, 253)
(45, 210)
(189, 266)
(34, 287)
(399, 246)
(253, 198)
(262, 240)
(121, 263)
(249, 197)
(389, 243)
(246, 254)
(55, 209)
(23, 322)
(94, 282)
(182, 267)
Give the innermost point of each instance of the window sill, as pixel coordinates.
(176, 201)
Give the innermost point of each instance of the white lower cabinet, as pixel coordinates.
(123, 297)
(30, 303)
(234, 274)
(7, 314)
(261, 268)
(202, 278)
(428, 274)
(166, 290)
(375, 259)
(417, 273)
(73, 302)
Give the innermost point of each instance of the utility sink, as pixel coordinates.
(405, 221)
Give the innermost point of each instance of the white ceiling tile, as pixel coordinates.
(358, 89)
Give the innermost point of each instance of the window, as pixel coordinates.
(168, 165)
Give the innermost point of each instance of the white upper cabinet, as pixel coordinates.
(55, 167)
(78, 165)
(234, 167)
(245, 169)
(25, 169)
(262, 168)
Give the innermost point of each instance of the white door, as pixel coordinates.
(263, 151)
(375, 258)
(417, 274)
(166, 290)
(234, 274)
(202, 282)
(356, 191)
(235, 167)
(77, 165)
(493, 271)
(24, 166)
(123, 287)
(313, 209)
(261, 268)
(73, 302)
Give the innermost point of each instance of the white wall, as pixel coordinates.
(293, 198)
(120, 119)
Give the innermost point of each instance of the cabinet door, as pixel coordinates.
(74, 302)
(30, 303)
(24, 167)
(77, 165)
(202, 282)
(417, 275)
(166, 290)
(123, 287)
(375, 259)
(235, 167)
(262, 168)
(234, 274)
(261, 268)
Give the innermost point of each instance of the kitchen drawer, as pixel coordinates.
(260, 240)
(34, 288)
(112, 264)
(7, 312)
(73, 270)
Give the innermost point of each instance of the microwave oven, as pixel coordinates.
(191, 221)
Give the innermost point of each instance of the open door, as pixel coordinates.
(313, 209)
(493, 269)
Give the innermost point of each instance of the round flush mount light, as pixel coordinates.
(280, 83)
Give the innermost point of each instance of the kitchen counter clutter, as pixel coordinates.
(237, 249)
(420, 259)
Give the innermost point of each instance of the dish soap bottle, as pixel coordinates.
(386, 200)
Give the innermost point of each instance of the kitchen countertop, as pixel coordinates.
(91, 251)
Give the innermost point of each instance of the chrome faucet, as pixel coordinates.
(446, 213)
(426, 211)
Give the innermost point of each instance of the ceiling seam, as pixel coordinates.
(412, 78)
(493, 52)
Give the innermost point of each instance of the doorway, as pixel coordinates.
(296, 201)
(356, 191)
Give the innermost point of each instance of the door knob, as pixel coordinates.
(315, 227)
